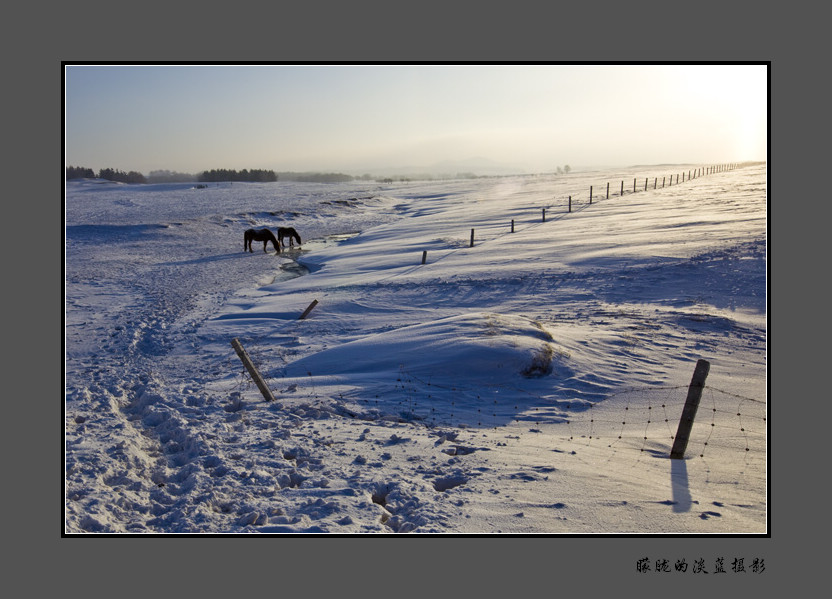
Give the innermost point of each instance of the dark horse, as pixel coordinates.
(263, 235)
(287, 232)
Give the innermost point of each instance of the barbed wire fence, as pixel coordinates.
(636, 419)
(574, 202)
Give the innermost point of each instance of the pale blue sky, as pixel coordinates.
(359, 118)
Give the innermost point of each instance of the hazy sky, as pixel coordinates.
(359, 118)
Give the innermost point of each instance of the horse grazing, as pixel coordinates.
(289, 232)
(263, 235)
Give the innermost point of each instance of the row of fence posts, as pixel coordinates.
(692, 174)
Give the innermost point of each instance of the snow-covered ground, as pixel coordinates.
(529, 384)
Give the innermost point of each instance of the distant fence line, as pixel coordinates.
(667, 181)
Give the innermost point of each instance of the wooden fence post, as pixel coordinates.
(608, 190)
(512, 225)
(590, 194)
(424, 256)
(634, 185)
(622, 187)
(570, 203)
(472, 237)
(645, 183)
(697, 383)
(258, 380)
(308, 309)
(544, 215)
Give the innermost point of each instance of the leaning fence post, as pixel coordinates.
(261, 384)
(697, 383)
(308, 309)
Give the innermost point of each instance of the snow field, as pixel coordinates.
(481, 392)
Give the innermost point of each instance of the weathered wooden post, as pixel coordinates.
(663, 178)
(258, 380)
(570, 203)
(655, 182)
(622, 187)
(544, 215)
(472, 237)
(645, 183)
(697, 383)
(308, 309)
(608, 190)
(590, 194)
(424, 256)
(634, 185)
(512, 225)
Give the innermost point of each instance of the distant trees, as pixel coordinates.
(109, 174)
(254, 175)
(566, 168)
(116, 175)
(79, 172)
(212, 176)
(166, 176)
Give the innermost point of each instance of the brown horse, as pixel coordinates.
(263, 235)
(289, 232)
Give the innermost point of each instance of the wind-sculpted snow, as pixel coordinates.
(467, 394)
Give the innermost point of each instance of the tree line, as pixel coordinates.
(253, 175)
(212, 176)
(246, 175)
(109, 174)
